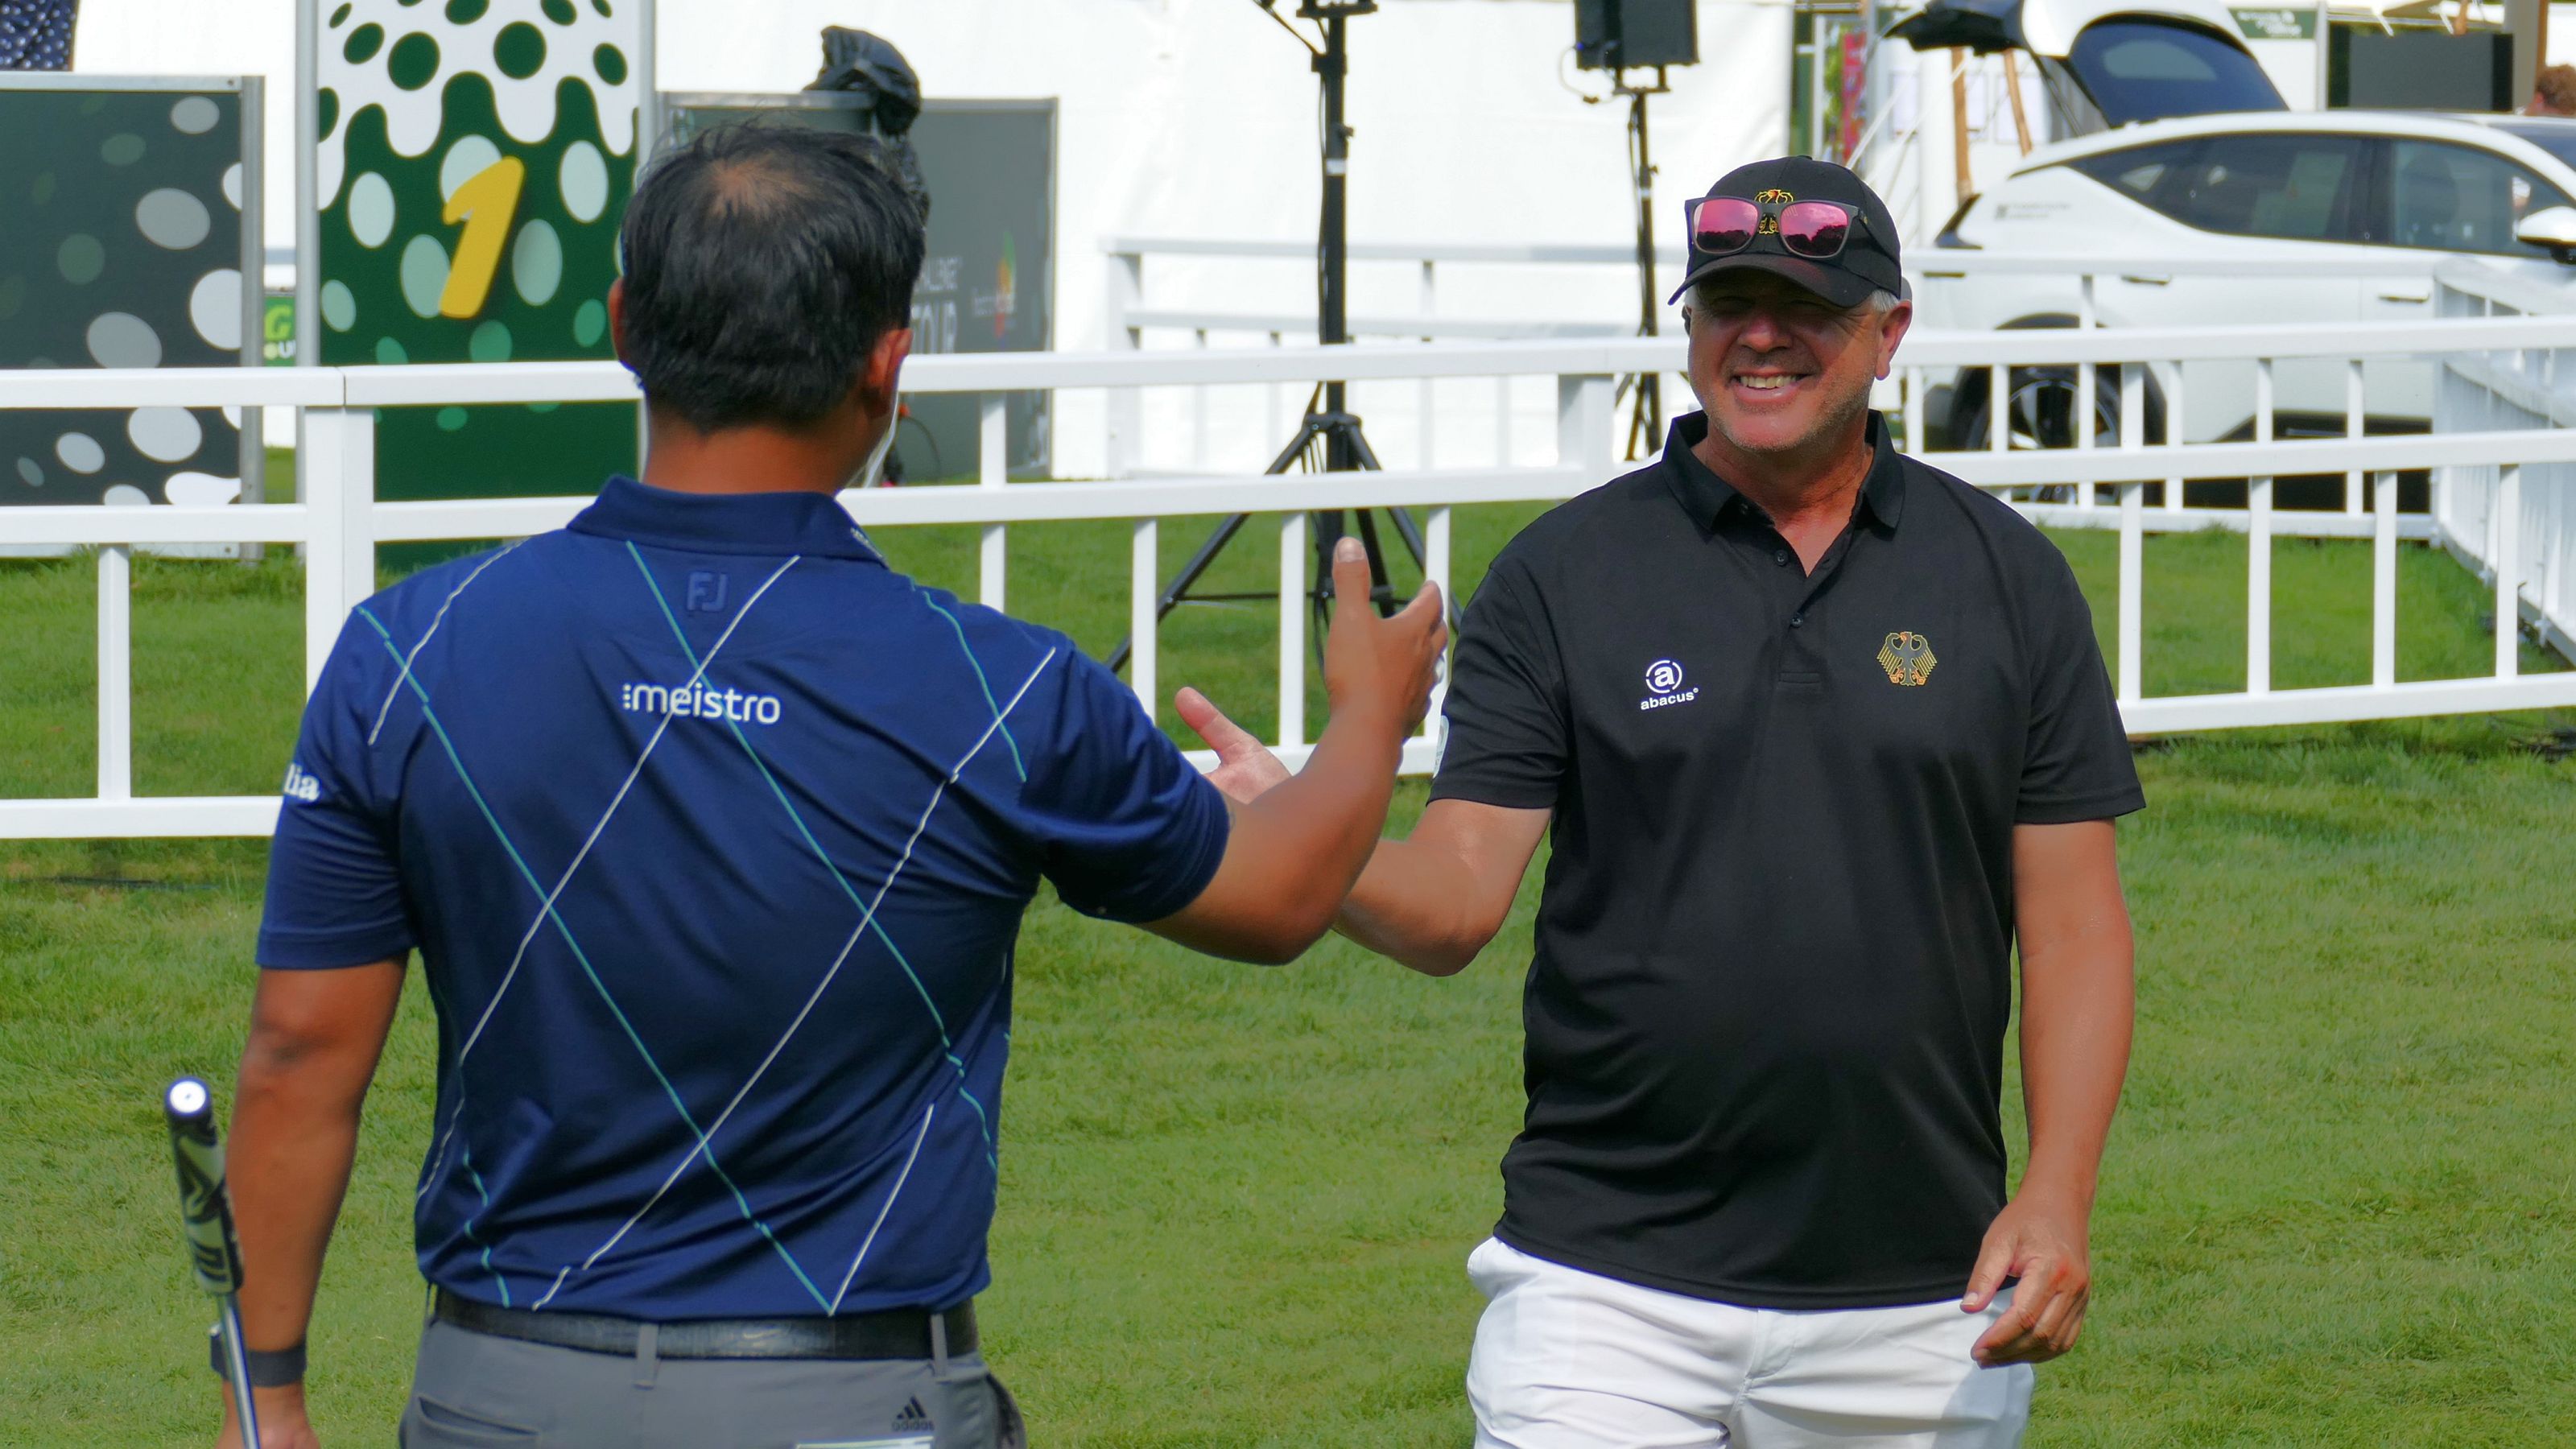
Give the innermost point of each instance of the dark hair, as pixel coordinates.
(762, 264)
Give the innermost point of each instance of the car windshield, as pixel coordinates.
(2145, 70)
(2556, 138)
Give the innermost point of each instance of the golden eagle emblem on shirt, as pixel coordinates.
(1907, 657)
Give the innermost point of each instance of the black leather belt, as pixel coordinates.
(892, 1333)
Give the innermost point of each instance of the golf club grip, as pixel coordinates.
(205, 1210)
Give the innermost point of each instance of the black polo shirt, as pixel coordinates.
(1766, 1015)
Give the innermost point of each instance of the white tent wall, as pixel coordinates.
(1197, 118)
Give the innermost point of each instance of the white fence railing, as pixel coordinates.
(2512, 387)
(1590, 282)
(341, 522)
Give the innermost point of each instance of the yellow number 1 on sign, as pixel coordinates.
(486, 203)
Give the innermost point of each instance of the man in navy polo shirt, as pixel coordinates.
(714, 834)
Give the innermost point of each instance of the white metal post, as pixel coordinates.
(2508, 571)
(2174, 435)
(1430, 295)
(2352, 418)
(1126, 405)
(338, 481)
(2085, 382)
(2258, 547)
(1143, 569)
(1502, 422)
(2383, 580)
(2133, 534)
(993, 470)
(1583, 408)
(115, 672)
(1914, 412)
(1435, 567)
(1199, 413)
(1998, 409)
(1292, 630)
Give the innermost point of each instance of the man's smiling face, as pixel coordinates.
(1779, 369)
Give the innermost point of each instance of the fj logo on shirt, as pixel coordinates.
(1664, 686)
(1907, 657)
(301, 786)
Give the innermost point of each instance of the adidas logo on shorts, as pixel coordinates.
(912, 1420)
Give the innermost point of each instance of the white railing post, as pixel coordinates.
(2133, 534)
(1199, 413)
(116, 672)
(1916, 411)
(1584, 403)
(1292, 630)
(337, 476)
(1430, 295)
(1502, 422)
(2352, 428)
(1998, 409)
(1143, 570)
(2508, 570)
(1435, 567)
(2383, 580)
(2258, 547)
(1126, 404)
(2174, 435)
(993, 470)
(2086, 380)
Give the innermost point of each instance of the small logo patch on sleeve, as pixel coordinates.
(301, 786)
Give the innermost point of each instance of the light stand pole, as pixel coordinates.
(1646, 417)
(1328, 437)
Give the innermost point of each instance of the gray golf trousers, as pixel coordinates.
(477, 1391)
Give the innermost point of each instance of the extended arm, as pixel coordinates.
(2078, 1004)
(314, 1040)
(1433, 899)
(1293, 852)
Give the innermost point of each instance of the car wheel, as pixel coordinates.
(2041, 407)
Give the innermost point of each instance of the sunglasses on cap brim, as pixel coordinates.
(1724, 225)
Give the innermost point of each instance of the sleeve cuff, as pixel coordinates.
(289, 950)
(1509, 794)
(1184, 886)
(2101, 805)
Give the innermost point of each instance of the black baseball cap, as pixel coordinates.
(1868, 261)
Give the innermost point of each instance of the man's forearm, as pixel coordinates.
(2078, 1010)
(293, 1141)
(1411, 904)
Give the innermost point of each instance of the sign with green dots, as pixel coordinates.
(123, 242)
(472, 165)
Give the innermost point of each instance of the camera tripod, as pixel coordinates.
(1646, 416)
(1329, 438)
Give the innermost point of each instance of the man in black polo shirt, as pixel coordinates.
(1822, 732)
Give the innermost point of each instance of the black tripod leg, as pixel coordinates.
(1223, 534)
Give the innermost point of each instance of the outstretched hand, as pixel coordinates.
(1245, 769)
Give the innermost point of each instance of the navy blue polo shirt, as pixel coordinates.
(714, 834)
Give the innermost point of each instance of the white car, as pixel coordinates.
(2415, 189)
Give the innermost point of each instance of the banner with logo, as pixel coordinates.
(472, 164)
(123, 242)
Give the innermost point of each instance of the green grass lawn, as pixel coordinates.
(2340, 1206)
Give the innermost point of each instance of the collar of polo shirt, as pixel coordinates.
(792, 522)
(1706, 497)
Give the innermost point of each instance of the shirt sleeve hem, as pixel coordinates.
(2100, 806)
(1492, 792)
(333, 950)
(1185, 887)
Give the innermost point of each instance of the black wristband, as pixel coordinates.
(272, 1369)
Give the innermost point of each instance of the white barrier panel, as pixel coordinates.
(2504, 531)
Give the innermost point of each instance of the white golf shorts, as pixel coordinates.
(1566, 1359)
